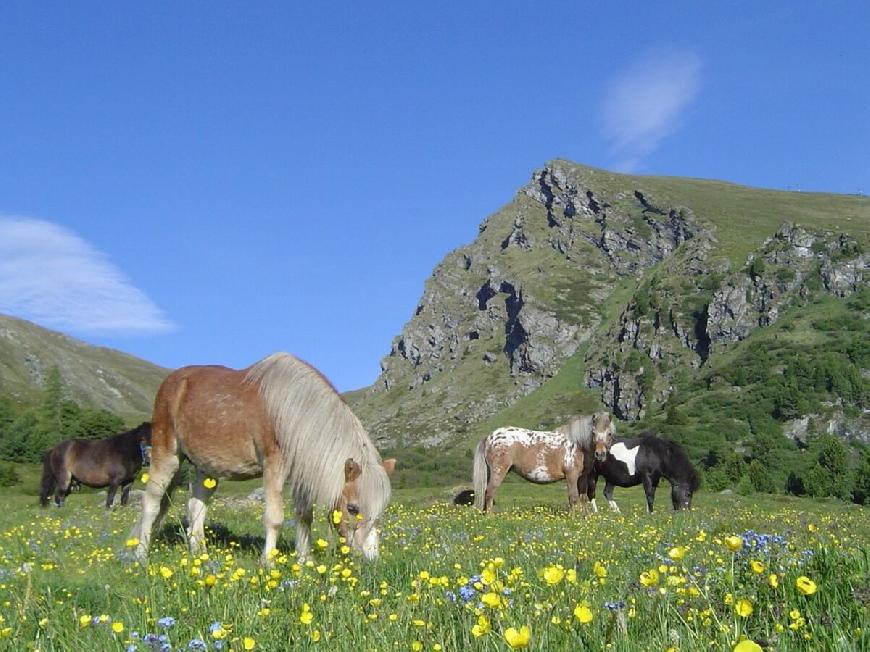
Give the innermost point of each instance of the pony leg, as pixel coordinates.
(125, 494)
(497, 474)
(573, 482)
(273, 515)
(110, 495)
(48, 483)
(63, 487)
(197, 507)
(608, 493)
(591, 481)
(649, 488)
(304, 514)
(155, 500)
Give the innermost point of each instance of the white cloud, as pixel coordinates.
(51, 276)
(644, 104)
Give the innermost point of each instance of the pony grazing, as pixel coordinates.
(645, 459)
(541, 457)
(279, 419)
(112, 462)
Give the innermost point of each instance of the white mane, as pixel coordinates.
(317, 432)
(581, 431)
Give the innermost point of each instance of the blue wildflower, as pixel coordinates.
(196, 644)
(166, 622)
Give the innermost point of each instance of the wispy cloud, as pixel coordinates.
(50, 275)
(644, 104)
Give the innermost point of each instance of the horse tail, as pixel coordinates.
(49, 481)
(481, 475)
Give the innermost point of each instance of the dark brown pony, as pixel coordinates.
(112, 462)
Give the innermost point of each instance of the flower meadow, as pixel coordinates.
(730, 575)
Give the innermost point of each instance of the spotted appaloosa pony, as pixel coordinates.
(645, 459)
(541, 457)
(112, 462)
(279, 419)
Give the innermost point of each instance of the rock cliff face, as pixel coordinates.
(791, 264)
(501, 315)
(584, 258)
(692, 308)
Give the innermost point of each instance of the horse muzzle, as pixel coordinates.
(600, 456)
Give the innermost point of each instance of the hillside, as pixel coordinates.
(592, 288)
(92, 376)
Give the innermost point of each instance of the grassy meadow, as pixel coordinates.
(735, 573)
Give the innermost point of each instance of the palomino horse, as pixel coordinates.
(279, 419)
(645, 459)
(541, 457)
(112, 462)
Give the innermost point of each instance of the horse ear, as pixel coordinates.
(351, 470)
(389, 465)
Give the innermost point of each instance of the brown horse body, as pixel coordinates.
(541, 457)
(112, 462)
(279, 419)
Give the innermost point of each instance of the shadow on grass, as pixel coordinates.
(218, 534)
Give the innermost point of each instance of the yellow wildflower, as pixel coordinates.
(747, 646)
(743, 608)
(677, 553)
(209, 483)
(145, 477)
(249, 643)
(756, 566)
(649, 578)
(773, 580)
(517, 639)
(805, 585)
(117, 627)
(482, 627)
(583, 613)
(733, 543)
(553, 574)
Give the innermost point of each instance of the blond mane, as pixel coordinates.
(317, 431)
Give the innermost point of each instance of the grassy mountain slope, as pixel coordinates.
(92, 376)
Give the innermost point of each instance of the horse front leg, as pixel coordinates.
(125, 494)
(650, 484)
(608, 493)
(63, 488)
(197, 507)
(591, 481)
(273, 514)
(304, 514)
(163, 478)
(110, 494)
(573, 481)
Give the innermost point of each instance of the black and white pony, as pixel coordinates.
(645, 460)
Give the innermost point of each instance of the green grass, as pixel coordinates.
(59, 572)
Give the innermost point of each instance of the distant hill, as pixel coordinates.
(92, 376)
(641, 295)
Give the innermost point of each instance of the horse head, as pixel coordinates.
(681, 496)
(361, 504)
(603, 429)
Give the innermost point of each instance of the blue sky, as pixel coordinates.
(211, 182)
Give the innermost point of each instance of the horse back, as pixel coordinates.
(539, 457)
(211, 415)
